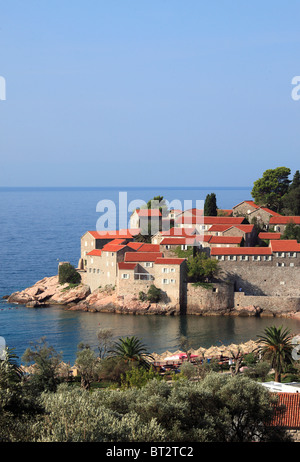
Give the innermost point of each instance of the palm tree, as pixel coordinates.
(131, 349)
(276, 346)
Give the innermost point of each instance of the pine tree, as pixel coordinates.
(210, 205)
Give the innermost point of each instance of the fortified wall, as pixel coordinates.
(263, 280)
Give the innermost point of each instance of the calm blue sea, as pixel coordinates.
(40, 226)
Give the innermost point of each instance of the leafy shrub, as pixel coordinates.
(153, 294)
(68, 274)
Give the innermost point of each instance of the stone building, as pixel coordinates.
(251, 211)
(279, 223)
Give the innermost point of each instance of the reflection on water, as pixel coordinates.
(65, 329)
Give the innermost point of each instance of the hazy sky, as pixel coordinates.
(140, 92)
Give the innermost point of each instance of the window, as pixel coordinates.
(98, 271)
(165, 270)
(85, 243)
(292, 264)
(280, 254)
(280, 264)
(108, 274)
(107, 254)
(244, 258)
(165, 281)
(220, 257)
(172, 281)
(256, 258)
(172, 270)
(232, 257)
(292, 254)
(125, 276)
(90, 270)
(148, 264)
(92, 260)
(184, 247)
(167, 247)
(267, 258)
(94, 270)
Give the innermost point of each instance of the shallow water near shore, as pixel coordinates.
(64, 329)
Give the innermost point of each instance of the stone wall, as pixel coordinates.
(262, 280)
(268, 305)
(214, 299)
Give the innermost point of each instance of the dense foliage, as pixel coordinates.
(68, 274)
(210, 205)
(199, 404)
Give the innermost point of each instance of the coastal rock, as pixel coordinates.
(107, 301)
(48, 291)
(250, 310)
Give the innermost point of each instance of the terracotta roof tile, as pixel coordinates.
(286, 245)
(288, 411)
(95, 253)
(129, 266)
(169, 261)
(142, 256)
(284, 220)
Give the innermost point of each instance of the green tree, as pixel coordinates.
(88, 365)
(210, 205)
(296, 181)
(46, 363)
(68, 274)
(292, 231)
(201, 267)
(154, 294)
(158, 202)
(276, 346)
(19, 403)
(131, 349)
(104, 341)
(269, 190)
(291, 202)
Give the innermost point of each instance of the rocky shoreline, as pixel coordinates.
(48, 291)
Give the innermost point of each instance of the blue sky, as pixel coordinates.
(147, 93)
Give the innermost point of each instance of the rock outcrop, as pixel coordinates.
(48, 291)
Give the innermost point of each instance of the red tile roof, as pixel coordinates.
(142, 256)
(273, 236)
(118, 241)
(179, 232)
(225, 227)
(177, 240)
(127, 266)
(241, 251)
(287, 245)
(252, 204)
(95, 253)
(284, 220)
(113, 247)
(288, 411)
(149, 248)
(225, 239)
(271, 212)
(149, 212)
(169, 261)
(134, 245)
(122, 234)
(210, 220)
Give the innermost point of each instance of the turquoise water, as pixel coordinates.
(41, 226)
